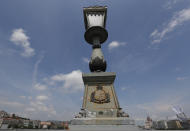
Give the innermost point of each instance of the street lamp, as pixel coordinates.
(96, 34)
(95, 22)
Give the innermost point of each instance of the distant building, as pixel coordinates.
(1, 121)
(5, 124)
(3, 114)
(162, 125)
(27, 123)
(174, 124)
(56, 125)
(36, 124)
(148, 123)
(45, 124)
(154, 125)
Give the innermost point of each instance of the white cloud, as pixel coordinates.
(19, 38)
(23, 97)
(157, 107)
(161, 107)
(135, 63)
(30, 109)
(41, 98)
(181, 78)
(10, 103)
(40, 87)
(30, 97)
(115, 44)
(178, 19)
(72, 81)
(177, 69)
(128, 88)
(39, 107)
(86, 60)
(170, 3)
(35, 72)
(123, 88)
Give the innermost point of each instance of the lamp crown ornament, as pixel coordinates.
(96, 34)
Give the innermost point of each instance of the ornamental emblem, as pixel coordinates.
(100, 96)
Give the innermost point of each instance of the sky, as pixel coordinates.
(43, 55)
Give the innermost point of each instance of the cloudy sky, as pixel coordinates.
(43, 54)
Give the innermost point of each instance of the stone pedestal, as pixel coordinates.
(100, 103)
(100, 99)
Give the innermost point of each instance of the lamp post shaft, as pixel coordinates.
(97, 62)
(96, 41)
(96, 34)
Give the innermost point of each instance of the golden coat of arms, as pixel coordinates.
(100, 96)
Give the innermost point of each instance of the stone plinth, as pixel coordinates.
(100, 103)
(100, 99)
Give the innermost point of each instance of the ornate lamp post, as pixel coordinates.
(96, 34)
(100, 102)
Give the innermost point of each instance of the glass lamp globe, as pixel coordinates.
(95, 22)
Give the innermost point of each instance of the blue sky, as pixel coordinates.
(43, 53)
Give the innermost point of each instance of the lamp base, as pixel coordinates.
(96, 31)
